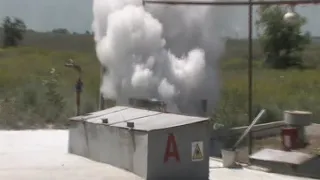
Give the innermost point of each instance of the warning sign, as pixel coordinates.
(197, 151)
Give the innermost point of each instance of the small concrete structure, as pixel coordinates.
(278, 156)
(290, 163)
(299, 120)
(153, 145)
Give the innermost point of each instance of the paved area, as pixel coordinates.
(217, 173)
(42, 155)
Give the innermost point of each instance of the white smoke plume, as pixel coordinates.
(165, 52)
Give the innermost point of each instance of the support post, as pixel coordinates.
(204, 105)
(250, 144)
(79, 84)
(78, 103)
(78, 88)
(101, 99)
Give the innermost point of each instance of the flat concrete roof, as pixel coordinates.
(143, 120)
(42, 155)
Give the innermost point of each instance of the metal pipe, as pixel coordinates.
(232, 3)
(248, 130)
(78, 101)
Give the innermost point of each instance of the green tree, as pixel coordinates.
(282, 42)
(13, 31)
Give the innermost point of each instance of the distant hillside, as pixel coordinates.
(85, 43)
(316, 39)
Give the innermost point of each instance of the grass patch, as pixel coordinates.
(23, 97)
(274, 90)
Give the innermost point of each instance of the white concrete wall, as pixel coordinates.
(115, 146)
(142, 152)
(186, 168)
(77, 139)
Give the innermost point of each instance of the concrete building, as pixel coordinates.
(153, 145)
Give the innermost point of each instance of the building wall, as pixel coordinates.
(115, 146)
(186, 168)
(77, 139)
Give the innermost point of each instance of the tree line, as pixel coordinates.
(282, 43)
(14, 29)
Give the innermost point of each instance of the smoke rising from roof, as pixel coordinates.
(168, 53)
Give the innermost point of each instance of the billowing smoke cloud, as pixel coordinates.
(162, 52)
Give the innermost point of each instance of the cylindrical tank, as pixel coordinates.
(289, 137)
(297, 118)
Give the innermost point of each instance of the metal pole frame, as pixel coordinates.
(250, 4)
(232, 3)
(250, 81)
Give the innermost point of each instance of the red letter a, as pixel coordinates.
(171, 149)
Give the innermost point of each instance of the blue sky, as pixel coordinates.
(76, 15)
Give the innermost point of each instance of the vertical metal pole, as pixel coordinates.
(250, 74)
(101, 99)
(79, 84)
(78, 103)
(204, 105)
(78, 87)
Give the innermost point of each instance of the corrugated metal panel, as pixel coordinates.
(160, 121)
(106, 111)
(144, 120)
(99, 113)
(123, 115)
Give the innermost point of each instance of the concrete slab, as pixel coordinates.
(313, 130)
(42, 155)
(273, 155)
(217, 172)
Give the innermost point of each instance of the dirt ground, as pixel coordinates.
(312, 134)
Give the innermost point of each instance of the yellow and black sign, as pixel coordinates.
(197, 151)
